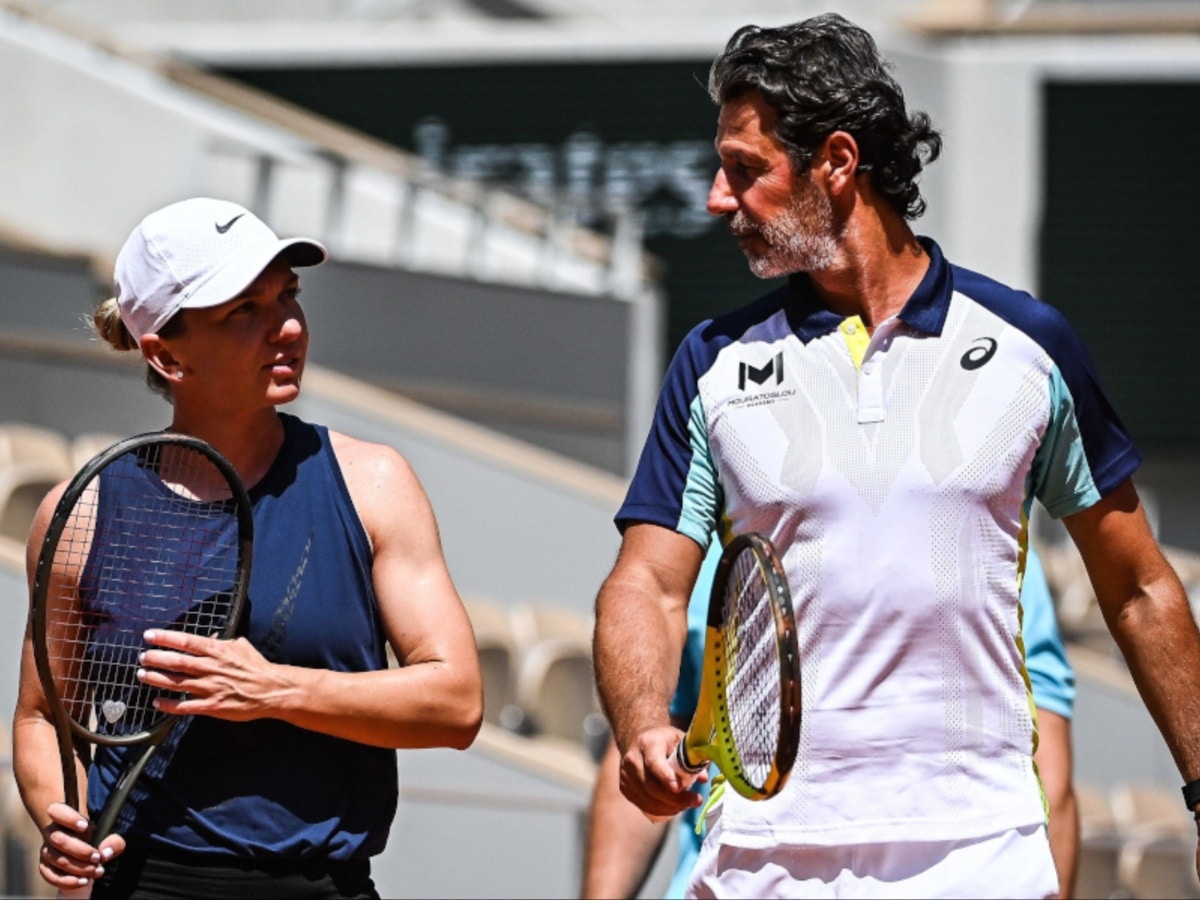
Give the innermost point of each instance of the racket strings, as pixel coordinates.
(752, 688)
(151, 542)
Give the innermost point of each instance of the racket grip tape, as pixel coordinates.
(686, 772)
(684, 764)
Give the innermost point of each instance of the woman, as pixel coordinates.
(281, 777)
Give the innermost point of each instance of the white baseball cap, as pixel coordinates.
(193, 254)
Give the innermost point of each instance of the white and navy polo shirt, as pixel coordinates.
(895, 473)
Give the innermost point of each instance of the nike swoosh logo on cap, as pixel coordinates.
(221, 229)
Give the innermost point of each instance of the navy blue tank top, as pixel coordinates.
(267, 789)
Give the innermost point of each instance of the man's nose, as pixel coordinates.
(720, 198)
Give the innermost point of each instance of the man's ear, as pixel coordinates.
(160, 358)
(841, 149)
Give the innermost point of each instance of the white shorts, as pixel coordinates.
(1014, 863)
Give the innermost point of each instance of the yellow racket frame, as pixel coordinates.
(709, 737)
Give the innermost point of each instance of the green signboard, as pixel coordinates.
(1119, 242)
(1120, 190)
(592, 135)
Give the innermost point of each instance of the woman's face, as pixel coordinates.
(250, 350)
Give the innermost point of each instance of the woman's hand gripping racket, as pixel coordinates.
(154, 532)
(747, 718)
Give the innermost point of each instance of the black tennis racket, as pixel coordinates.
(747, 718)
(153, 532)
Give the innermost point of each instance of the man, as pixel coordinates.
(622, 844)
(887, 419)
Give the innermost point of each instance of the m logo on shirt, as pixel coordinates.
(773, 368)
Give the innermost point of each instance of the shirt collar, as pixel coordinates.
(924, 311)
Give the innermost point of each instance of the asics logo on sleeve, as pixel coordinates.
(982, 350)
(221, 229)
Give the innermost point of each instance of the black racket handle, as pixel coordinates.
(120, 793)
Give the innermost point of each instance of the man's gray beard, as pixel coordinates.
(802, 238)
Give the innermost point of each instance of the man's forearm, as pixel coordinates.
(637, 650)
(1158, 637)
(1147, 611)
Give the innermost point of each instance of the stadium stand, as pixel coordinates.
(1099, 844)
(513, 803)
(32, 460)
(556, 688)
(1154, 866)
(1158, 842)
(1145, 808)
(19, 838)
(85, 446)
(498, 654)
(537, 670)
(538, 620)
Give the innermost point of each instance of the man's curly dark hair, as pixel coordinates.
(823, 75)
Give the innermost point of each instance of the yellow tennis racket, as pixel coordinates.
(747, 719)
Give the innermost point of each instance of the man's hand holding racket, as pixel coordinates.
(747, 719)
(652, 781)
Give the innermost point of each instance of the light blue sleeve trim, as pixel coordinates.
(683, 705)
(1050, 672)
(701, 504)
(1061, 476)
